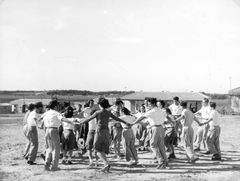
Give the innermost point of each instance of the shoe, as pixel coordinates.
(31, 163)
(60, 156)
(161, 166)
(64, 161)
(194, 160)
(43, 156)
(172, 156)
(26, 157)
(106, 168)
(69, 162)
(91, 164)
(46, 168)
(55, 169)
(197, 149)
(207, 153)
(133, 162)
(216, 157)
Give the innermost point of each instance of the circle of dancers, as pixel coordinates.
(99, 130)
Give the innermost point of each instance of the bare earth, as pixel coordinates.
(14, 167)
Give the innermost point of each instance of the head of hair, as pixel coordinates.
(146, 98)
(184, 104)
(168, 111)
(206, 100)
(118, 102)
(176, 98)
(66, 104)
(162, 103)
(31, 107)
(38, 105)
(126, 111)
(213, 105)
(52, 104)
(69, 112)
(152, 101)
(103, 103)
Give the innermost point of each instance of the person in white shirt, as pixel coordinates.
(156, 118)
(32, 132)
(52, 120)
(187, 119)
(92, 125)
(25, 130)
(176, 111)
(214, 132)
(128, 137)
(68, 137)
(201, 134)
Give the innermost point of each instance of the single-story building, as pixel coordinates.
(20, 105)
(133, 101)
(5, 108)
(235, 99)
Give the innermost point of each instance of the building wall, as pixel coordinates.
(5, 109)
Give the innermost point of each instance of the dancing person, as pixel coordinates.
(102, 135)
(156, 117)
(33, 133)
(187, 119)
(176, 110)
(128, 137)
(214, 132)
(52, 120)
(170, 134)
(201, 134)
(25, 130)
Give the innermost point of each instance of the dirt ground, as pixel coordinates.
(14, 167)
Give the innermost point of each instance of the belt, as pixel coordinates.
(156, 125)
(52, 127)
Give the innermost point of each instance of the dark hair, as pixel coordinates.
(103, 103)
(52, 104)
(213, 105)
(38, 105)
(66, 104)
(184, 104)
(152, 101)
(126, 111)
(206, 100)
(162, 103)
(31, 107)
(176, 98)
(69, 112)
(168, 111)
(146, 98)
(118, 102)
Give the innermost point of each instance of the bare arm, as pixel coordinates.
(180, 118)
(89, 118)
(118, 119)
(195, 119)
(139, 119)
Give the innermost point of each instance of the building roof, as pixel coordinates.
(29, 101)
(5, 104)
(167, 96)
(235, 91)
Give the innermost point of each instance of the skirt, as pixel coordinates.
(68, 139)
(102, 141)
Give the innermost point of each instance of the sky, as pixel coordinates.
(100, 45)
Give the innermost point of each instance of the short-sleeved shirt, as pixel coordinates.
(127, 119)
(205, 112)
(214, 115)
(188, 117)
(156, 116)
(32, 118)
(68, 125)
(52, 118)
(176, 110)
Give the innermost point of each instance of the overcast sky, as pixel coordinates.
(149, 45)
